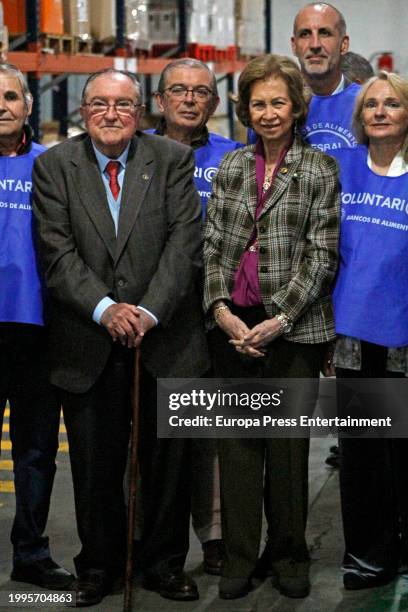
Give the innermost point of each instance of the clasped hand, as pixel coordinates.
(248, 341)
(126, 323)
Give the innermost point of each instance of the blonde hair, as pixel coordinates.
(399, 85)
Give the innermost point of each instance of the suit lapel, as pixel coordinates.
(284, 176)
(138, 175)
(91, 192)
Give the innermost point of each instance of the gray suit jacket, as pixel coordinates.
(154, 261)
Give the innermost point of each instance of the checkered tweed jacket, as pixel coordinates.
(297, 233)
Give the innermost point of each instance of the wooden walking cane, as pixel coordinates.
(127, 605)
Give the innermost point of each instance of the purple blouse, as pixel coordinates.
(246, 291)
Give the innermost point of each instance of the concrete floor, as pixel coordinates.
(324, 537)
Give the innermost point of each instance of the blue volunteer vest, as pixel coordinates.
(371, 292)
(21, 288)
(208, 158)
(328, 123)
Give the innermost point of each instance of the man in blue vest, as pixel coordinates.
(319, 41)
(34, 411)
(187, 97)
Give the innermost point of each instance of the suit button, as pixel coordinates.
(121, 282)
(264, 269)
(262, 229)
(262, 250)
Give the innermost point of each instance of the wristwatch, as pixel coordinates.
(285, 323)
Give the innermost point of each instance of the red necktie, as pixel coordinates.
(112, 168)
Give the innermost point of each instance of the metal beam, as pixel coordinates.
(56, 80)
(182, 15)
(268, 26)
(120, 25)
(60, 106)
(33, 78)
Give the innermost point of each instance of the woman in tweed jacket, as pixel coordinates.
(270, 254)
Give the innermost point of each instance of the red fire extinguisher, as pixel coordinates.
(385, 61)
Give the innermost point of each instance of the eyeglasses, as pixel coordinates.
(122, 107)
(201, 92)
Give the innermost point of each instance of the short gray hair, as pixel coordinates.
(13, 71)
(126, 73)
(341, 23)
(355, 67)
(189, 62)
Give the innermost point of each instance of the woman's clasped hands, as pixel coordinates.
(251, 342)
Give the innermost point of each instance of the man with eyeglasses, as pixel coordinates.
(187, 97)
(118, 225)
(34, 410)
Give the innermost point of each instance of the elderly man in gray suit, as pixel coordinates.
(118, 224)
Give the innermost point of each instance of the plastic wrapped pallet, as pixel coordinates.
(137, 23)
(223, 22)
(209, 22)
(200, 22)
(249, 26)
(102, 15)
(163, 21)
(76, 18)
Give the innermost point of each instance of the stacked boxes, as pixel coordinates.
(223, 25)
(215, 28)
(163, 22)
(137, 23)
(210, 24)
(200, 22)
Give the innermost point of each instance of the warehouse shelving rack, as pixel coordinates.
(37, 62)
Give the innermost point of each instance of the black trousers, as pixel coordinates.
(165, 466)
(98, 426)
(374, 488)
(285, 461)
(34, 423)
